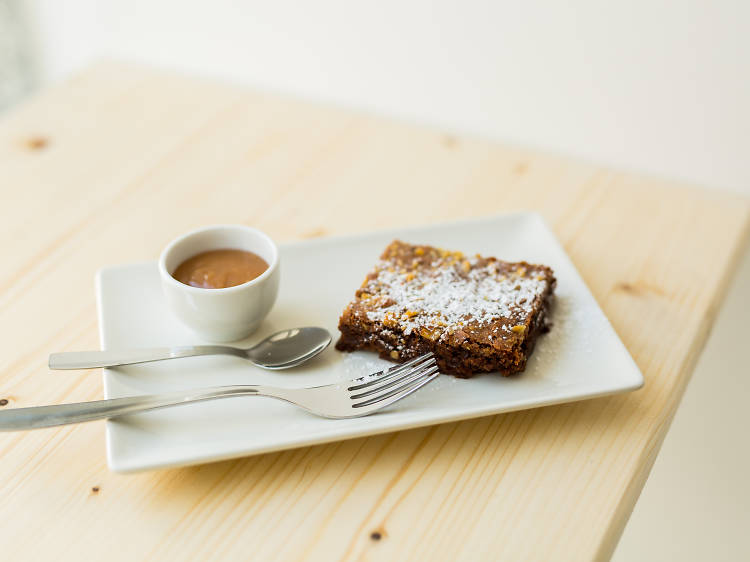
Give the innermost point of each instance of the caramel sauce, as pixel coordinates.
(218, 269)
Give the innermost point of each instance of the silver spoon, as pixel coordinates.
(281, 350)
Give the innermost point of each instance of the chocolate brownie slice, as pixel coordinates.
(476, 314)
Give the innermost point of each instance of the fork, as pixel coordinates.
(349, 399)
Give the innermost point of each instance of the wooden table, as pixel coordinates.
(109, 166)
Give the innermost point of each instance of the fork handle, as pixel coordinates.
(35, 417)
(114, 358)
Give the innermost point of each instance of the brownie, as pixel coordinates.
(475, 314)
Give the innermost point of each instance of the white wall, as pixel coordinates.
(660, 86)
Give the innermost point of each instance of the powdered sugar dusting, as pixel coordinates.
(451, 293)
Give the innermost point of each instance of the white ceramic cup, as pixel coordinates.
(228, 314)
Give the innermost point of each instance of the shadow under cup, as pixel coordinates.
(228, 314)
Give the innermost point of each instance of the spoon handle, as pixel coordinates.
(107, 358)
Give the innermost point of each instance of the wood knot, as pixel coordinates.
(376, 535)
(95, 490)
(638, 289)
(3, 401)
(449, 141)
(626, 287)
(37, 143)
(315, 233)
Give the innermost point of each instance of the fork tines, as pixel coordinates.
(396, 382)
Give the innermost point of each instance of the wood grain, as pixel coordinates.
(109, 166)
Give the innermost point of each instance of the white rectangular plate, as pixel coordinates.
(581, 357)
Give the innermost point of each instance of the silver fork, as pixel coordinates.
(347, 399)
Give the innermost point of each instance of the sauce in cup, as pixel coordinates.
(219, 269)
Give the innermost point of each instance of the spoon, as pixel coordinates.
(281, 350)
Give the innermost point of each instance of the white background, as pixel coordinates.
(659, 86)
(653, 85)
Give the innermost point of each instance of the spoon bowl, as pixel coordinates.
(289, 348)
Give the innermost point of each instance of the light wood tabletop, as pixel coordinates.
(109, 166)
